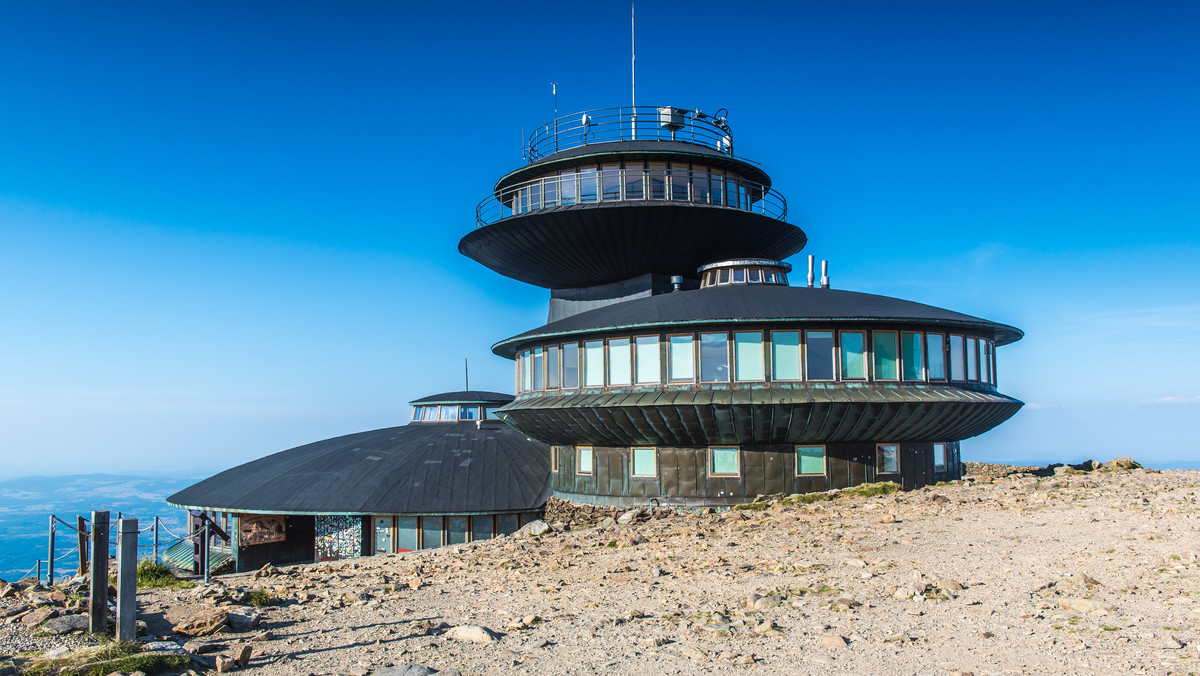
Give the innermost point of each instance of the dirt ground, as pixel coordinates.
(1080, 573)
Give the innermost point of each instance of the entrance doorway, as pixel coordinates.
(383, 535)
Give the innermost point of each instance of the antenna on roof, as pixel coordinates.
(554, 90)
(466, 375)
(633, 69)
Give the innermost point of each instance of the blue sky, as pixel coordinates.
(226, 230)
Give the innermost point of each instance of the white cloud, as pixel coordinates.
(1172, 401)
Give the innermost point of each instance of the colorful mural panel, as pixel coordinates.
(338, 537)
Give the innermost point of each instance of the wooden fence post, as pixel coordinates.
(81, 526)
(98, 580)
(127, 537)
(50, 560)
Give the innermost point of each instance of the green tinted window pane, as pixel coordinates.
(714, 357)
(810, 459)
(972, 359)
(431, 532)
(911, 355)
(957, 372)
(785, 355)
(489, 413)
(593, 363)
(456, 530)
(887, 364)
(527, 368)
(552, 368)
(645, 462)
(648, 370)
(481, 527)
(683, 365)
(724, 461)
(406, 533)
(887, 459)
(618, 361)
(936, 351)
(818, 354)
(854, 357)
(570, 365)
(748, 355)
(539, 369)
(470, 412)
(506, 524)
(939, 457)
(584, 461)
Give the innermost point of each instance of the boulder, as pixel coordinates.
(534, 529)
(630, 517)
(404, 670)
(204, 623)
(38, 616)
(471, 633)
(66, 624)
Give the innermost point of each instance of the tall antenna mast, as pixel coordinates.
(633, 67)
(554, 90)
(466, 374)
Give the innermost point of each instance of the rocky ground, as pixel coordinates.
(1074, 572)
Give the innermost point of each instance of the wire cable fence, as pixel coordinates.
(85, 534)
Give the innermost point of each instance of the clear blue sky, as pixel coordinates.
(226, 230)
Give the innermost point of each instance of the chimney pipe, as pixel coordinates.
(811, 276)
(824, 274)
(677, 282)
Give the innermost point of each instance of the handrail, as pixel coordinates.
(593, 186)
(631, 123)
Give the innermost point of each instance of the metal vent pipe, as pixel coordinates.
(824, 274)
(811, 277)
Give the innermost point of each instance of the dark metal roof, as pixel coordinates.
(605, 242)
(415, 469)
(608, 151)
(465, 397)
(761, 303)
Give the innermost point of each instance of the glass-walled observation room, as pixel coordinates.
(786, 355)
(455, 412)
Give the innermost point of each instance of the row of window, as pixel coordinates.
(454, 412)
(749, 356)
(726, 461)
(621, 181)
(409, 533)
(754, 274)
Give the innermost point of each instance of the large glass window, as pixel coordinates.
(593, 363)
(489, 413)
(619, 361)
(644, 462)
(724, 461)
(431, 532)
(527, 371)
(566, 186)
(818, 357)
(416, 413)
(936, 344)
(912, 356)
(506, 524)
(749, 356)
(449, 413)
(583, 460)
(699, 184)
(634, 180)
(406, 533)
(683, 359)
(469, 412)
(714, 358)
(887, 459)
(552, 374)
(972, 359)
(957, 372)
(658, 180)
(987, 360)
(785, 355)
(570, 365)
(810, 460)
(456, 530)
(539, 366)
(854, 355)
(610, 182)
(939, 457)
(648, 370)
(887, 366)
(679, 181)
(550, 190)
(431, 413)
(588, 186)
(481, 527)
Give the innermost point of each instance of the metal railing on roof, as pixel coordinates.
(593, 186)
(631, 123)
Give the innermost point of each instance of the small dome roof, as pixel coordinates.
(464, 397)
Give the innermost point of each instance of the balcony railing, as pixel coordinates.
(631, 187)
(631, 123)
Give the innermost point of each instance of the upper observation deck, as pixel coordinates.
(614, 193)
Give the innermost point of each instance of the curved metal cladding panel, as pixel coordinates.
(422, 468)
(600, 243)
(465, 397)
(763, 416)
(764, 304)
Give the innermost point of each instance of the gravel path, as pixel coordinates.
(1081, 573)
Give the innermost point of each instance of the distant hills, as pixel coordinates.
(26, 504)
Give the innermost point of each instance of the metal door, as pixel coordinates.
(383, 535)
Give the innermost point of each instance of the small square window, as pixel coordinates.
(644, 462)
(810, 460)
(724, 461)
(887, 459)
(583, 460)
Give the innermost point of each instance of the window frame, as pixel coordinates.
(945, 457)
(879, 457)
(944, 357)
(671, 380)
(824, 460)
(833, 356)
(712, 474)
(799, 357)
(634, 365)
(736, 366)
(962, 356)
(840, 357)
(608, 361)
(904, 357)
(603, 363)
(700, 356)
(875, 357)
(554, 450)
(591, 461)
(633, 474)
(562, 365)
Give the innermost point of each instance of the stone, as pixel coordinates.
(692, 653)
(855, 563)
(629, 517)
(204, 623)
(765, 628)
(1083, 579)
(38, 616)
(1083, 606)
(66, 624)
(266, 571)
(947, 584)
(405, 670)
(887, 518)
(241, 622)
(534, 529)
(225, 665)
(56, 653)
(165, 647)
(767, 602)
(1126, 462)
(833, 641)
(8, 592)
(201, 647)
(242, 654)
(899, 638)
(1169, 643)
(606, 522)
(471, 633)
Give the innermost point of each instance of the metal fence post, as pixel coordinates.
(156, 539)
(204, 558)
(39, 571)
(127, 537)
(50, 558)
(98, 574)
